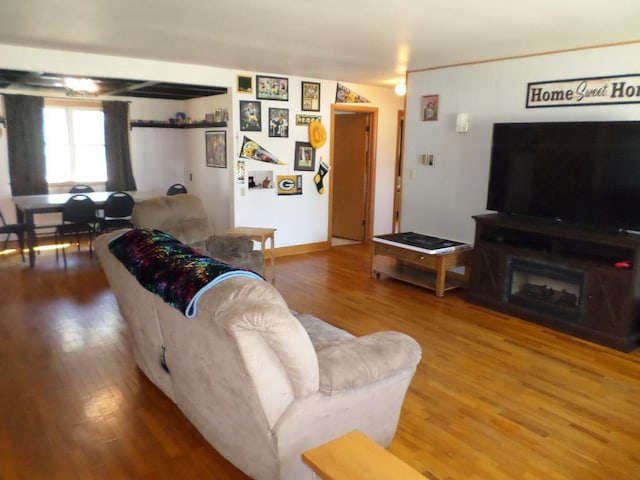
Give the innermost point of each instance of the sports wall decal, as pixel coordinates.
(289, 184)
(344, 95)
(252, 151)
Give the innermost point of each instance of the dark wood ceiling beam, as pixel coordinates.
(128, 87)
(41, 81)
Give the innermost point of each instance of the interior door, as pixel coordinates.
(350, 175)
(397, 193)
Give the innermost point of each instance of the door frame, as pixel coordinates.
(398, 169)
(370, 164)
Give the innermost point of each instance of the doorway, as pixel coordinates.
(354, 135)
(397, 188)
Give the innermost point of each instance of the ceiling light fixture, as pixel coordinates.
(80, 86)
(401, 89)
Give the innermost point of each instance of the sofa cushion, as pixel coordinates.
(246, 306)
(236, 250)
(364, 360)
(321, 333)
(182, 216)
(229, 245)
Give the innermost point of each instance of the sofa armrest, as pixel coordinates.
(364, 360)
(225, 245)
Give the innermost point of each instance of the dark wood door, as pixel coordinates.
(487, 280)
(607, 302)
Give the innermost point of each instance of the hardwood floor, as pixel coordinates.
(494, 397)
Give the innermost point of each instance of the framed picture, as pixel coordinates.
(245, 84)
(305, 157)
(278, 122)
(241, 170)
(216, 148)
(250, 116)
(429, 108)
(272, 88)
(306, 119)
(310, 96)
(260, 179)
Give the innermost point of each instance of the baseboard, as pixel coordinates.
(298, 249)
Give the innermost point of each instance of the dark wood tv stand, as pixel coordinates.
(579, 281)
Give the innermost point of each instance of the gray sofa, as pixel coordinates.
(260, 383)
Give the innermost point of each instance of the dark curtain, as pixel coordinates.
(25, 142)
(116, 139)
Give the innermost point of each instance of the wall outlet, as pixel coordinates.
(427, 159)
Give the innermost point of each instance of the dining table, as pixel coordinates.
(27, 206)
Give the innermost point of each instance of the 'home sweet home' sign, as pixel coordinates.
(584, 91)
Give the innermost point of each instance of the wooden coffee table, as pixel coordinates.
(420, 266)
(355, 456)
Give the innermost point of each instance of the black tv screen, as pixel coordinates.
(583, 173)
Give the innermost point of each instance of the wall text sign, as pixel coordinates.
(584, 91)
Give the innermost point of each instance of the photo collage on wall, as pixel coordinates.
(268, 114)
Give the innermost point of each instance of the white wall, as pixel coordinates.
(162, 156)
(157, 154)
(441, 199)
(213, 185)
(303, 219)
(165, 156)
(300, 219)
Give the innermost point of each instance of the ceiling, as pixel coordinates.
(361, 41)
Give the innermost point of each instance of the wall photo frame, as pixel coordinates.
(306, 119)
(429, 108)
(305, 157)
(250, 116)
(216, 148)
(260, 179)
(245, 84)
(279, 122)
(272, 88)
(310, 96)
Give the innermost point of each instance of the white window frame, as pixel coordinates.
(69, 106)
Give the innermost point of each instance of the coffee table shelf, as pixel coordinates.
(419, 276)
(420, 267)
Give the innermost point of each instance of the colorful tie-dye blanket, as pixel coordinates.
(170, 269)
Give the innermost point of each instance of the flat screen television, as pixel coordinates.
(581, 173)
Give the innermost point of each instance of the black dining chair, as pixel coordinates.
(117, 211)
(78, 217)
(176, 189)
(81, 188)
(17, 229)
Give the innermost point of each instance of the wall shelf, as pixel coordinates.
(166, 124)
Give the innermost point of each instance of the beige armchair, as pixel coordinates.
(184, 217)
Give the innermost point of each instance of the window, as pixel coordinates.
(74, 143)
